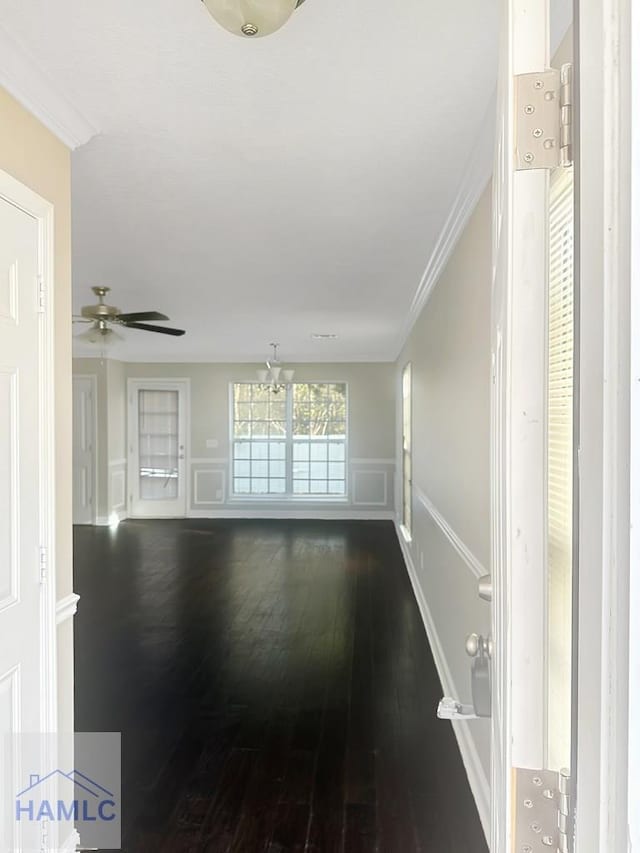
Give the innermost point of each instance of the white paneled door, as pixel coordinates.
(158, 413)
(84, 450)
(25, 650)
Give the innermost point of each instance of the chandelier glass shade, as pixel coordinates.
(251, 18)
(273, 374)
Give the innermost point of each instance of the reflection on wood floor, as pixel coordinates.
(274, 689)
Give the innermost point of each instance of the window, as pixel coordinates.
(290, 443)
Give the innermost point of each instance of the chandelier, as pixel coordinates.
(274, 376)
(252, 18)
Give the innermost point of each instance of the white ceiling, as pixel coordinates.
(270, 189)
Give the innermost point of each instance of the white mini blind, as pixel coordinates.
(560, 438)
(560, 467)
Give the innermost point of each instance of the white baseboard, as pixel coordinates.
(320, 514)
(480, 786)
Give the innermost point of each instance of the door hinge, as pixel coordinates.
(41, 295)
(44, 564)
(543, 132)
(543, 804)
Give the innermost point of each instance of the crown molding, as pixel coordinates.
(22, 77)
(475, 178)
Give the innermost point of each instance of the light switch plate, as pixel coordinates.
(212, 443)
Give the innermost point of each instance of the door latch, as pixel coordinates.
(480, 649)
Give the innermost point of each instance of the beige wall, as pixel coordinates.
(450, 353)
(32, 155)
(371, 424)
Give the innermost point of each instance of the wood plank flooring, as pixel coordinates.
(274, 689)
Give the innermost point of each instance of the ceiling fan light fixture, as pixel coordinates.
(251, 18)
(100, 333)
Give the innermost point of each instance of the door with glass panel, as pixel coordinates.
(158, 412)
(534, 575)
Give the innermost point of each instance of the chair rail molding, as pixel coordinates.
(468, 557)
(67, 607)
(471, 759)
(23, 78)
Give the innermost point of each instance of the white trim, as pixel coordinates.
(209, 460)
(115, 463)
(309, 514)
(385, 481)
(24, 79)
(67, 607)
(478, 781)
(468, 557)
(223, 486)
(475, 177)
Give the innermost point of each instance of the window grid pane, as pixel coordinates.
(314, 424)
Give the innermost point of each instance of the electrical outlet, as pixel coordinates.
(219, 495)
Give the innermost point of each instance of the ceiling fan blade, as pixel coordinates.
(137, 316)
(164, 330)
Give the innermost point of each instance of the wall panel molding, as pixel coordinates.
(358, 480)
(218, 478)
(478, 780)
(468, 557)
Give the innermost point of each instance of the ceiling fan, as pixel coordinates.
(102, 317)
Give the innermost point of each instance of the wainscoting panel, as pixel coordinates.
(117, 489)
(208, 486)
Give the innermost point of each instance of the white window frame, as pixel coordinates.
(288, 495)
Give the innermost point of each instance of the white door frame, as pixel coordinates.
(43, 212)
(634, 634)
(183, 385)
(603, 254)
(94, 396)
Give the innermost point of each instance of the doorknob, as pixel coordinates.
(485, 588)
(476, 644)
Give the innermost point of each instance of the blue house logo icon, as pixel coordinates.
(77, 798)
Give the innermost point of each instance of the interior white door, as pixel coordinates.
(84, 449)
(158, 413)
(527, 584)
(21, 666)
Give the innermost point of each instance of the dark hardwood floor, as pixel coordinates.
(274, 689)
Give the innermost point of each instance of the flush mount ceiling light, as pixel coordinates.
(274, 377)
(252, 18)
